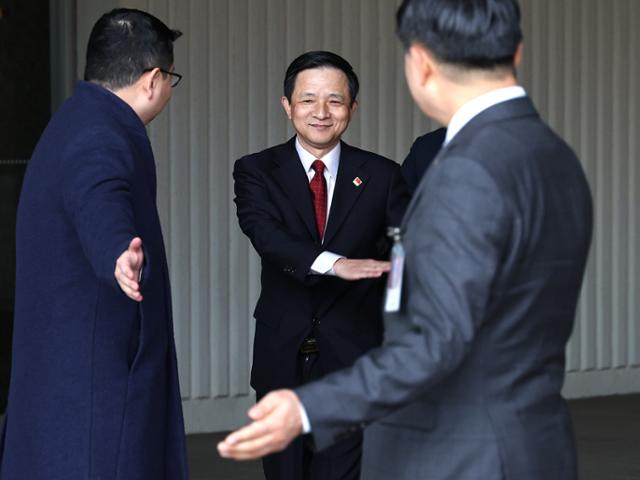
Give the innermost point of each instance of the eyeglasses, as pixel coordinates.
(175, 77)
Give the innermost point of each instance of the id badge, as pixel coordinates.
(394, 280)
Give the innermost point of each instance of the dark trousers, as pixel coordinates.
(299, 462)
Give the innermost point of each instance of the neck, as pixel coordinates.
(317, 152)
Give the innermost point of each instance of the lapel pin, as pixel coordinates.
(357, 182)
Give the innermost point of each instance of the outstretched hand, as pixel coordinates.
(357, 269)
(276, 422)
(128, 268)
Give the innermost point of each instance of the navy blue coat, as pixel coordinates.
(94, 389)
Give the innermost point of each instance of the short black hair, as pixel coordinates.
(123, 44)
(320, 59)
(477, 34)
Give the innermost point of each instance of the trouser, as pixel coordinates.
(298, 461)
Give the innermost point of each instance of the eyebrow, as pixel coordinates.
(331, 95)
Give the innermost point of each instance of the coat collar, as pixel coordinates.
(94, 93)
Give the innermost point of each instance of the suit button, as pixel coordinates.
(315, 321)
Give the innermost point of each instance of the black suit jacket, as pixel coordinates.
(275, 211)
(422, 153)
(467, 383)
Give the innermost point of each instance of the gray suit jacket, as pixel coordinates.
(467, 383)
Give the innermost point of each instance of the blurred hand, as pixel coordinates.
(356, 269)
(128, 268)
(276, 422)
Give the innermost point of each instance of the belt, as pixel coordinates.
(310, 345)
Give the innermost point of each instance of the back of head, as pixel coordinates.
(320, 59)
(123, 44)
(469, 34)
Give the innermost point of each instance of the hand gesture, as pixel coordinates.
(356, 269)
(128, 269)
(276, 422)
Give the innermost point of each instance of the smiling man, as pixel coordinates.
(316, 211)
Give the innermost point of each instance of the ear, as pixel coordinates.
(286, 105)
(420, 62)
(150, 82)
(354, 107)
(517, 58)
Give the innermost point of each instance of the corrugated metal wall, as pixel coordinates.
(580, 66)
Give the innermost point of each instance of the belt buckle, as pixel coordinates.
(310, 345)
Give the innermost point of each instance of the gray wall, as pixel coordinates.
(579, 66)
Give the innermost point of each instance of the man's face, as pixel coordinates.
(320, 108)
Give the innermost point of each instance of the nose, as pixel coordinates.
(321, 111)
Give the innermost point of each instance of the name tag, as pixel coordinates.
(394, 280)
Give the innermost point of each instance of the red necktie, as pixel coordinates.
(318, 187)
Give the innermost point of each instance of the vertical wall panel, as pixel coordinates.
(238, 115)
(619, 173)
(217, 54)
(580, 66)
(199, 198)
(633, 182)
(179, 233)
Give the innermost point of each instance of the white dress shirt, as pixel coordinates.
(323, 264)
(478, 105)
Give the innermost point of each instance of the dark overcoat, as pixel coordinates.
(94, 389)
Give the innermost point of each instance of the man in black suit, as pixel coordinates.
(467, 383)
(423, 151)
(316, 210)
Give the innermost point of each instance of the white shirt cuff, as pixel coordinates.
(323, 264)
(306, 425)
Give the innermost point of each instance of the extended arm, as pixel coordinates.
(97, 198)
(293, 254)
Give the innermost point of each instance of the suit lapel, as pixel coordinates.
(347, 189)
(290, 174)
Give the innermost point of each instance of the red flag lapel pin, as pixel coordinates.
(357, 181)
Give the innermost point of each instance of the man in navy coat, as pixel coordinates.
(94, 389)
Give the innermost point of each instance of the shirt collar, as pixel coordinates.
(478, 105)
(331, 160)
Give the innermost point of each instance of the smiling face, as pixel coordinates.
(320, 108)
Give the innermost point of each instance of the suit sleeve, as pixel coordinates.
(260, 221)
(97, 197)
(455, 236)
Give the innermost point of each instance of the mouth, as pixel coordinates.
(320, 126)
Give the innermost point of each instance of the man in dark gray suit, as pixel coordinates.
(467, 382)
